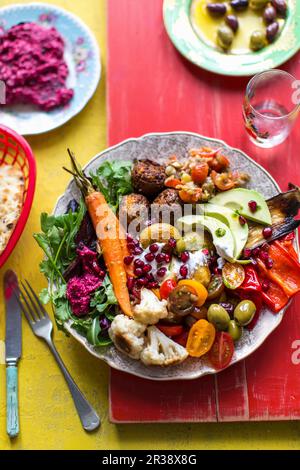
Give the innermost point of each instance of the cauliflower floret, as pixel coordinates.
(161, 350)
(128, 335)
(150, 310)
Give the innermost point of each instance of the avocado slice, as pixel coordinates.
(221, 233)
(238, 200)
(231, 219)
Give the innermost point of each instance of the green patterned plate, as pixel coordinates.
(189, 44)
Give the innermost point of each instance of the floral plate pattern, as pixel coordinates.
(179, 28)
(81, 54)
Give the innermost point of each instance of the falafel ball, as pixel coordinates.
(134, 207)
(167, 207)
(148, 178)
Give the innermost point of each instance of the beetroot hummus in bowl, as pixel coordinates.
(32, 66)
(49, 67)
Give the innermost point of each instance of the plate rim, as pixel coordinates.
(106, 359)
(95, 46)
(255, 68)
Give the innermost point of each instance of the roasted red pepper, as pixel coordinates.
(251, 290)
(285, 270)
(274, 296)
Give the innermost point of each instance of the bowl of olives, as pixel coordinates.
(234, 37)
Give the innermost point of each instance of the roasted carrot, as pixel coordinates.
(106, 226)
(125, 251)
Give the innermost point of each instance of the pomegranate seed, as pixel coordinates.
(160, 258)
(153, 248)
(129, 238)
(138, 250)
(131, 246)
(152, 285)
(147, 268)
(142, 281)
(252, 206)
(242, 220)
(205, 252)
(130, 283)
(185, 256)
(217, 270)
(138, 263)
(247, 253)
(128, 260)
(255, 252)
(265, 285)
(136, 293)
(264, 255)
(269, 263)
(253, 262)
(161, 272)
(167, 258)
(183, 271)
(267, 232)
(172, 242)
(149, 257)
(138, 272)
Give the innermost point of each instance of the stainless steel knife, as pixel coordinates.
(13, 350)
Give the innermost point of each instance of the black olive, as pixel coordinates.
(239, 5)
(232, 22)
(228, 307)
(72, 206)
(216, 9)
(272, 31)
(269, 14)
(281, 7)
(182, 301)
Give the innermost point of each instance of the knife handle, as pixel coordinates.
(12, 413)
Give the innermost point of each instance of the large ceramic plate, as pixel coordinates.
(185, 39)
(160, 146)
(81, 54)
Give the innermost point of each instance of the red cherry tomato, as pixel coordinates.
(200, 172)
(219, 162)
(221, 351)
(182, 338)
(166, 287)
(170, 330)
(223, 181)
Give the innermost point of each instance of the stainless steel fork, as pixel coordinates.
(42, 327)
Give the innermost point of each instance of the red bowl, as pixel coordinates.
(14, 150)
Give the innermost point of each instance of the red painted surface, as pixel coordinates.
(151, 88)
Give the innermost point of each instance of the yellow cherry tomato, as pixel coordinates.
(199, 289)
(201, 338)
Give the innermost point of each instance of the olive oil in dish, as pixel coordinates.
(206, 26)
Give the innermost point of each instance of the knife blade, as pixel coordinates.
(13, 350)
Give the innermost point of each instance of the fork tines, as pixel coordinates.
(31, 305)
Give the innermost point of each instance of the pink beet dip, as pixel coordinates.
(32, 66)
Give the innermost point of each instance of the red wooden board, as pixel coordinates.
(151, 88)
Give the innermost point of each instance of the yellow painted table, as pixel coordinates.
(48, 419)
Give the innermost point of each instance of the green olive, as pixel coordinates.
(192, 241)
(218, 316)
(234, 330)
(225, 37)
(258, 4)
(202, 275)
(244, 312)
(257, 40)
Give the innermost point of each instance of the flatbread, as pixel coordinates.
(11, 201)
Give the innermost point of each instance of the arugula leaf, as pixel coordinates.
(113, 179)
(57, 240)
(104, 296)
